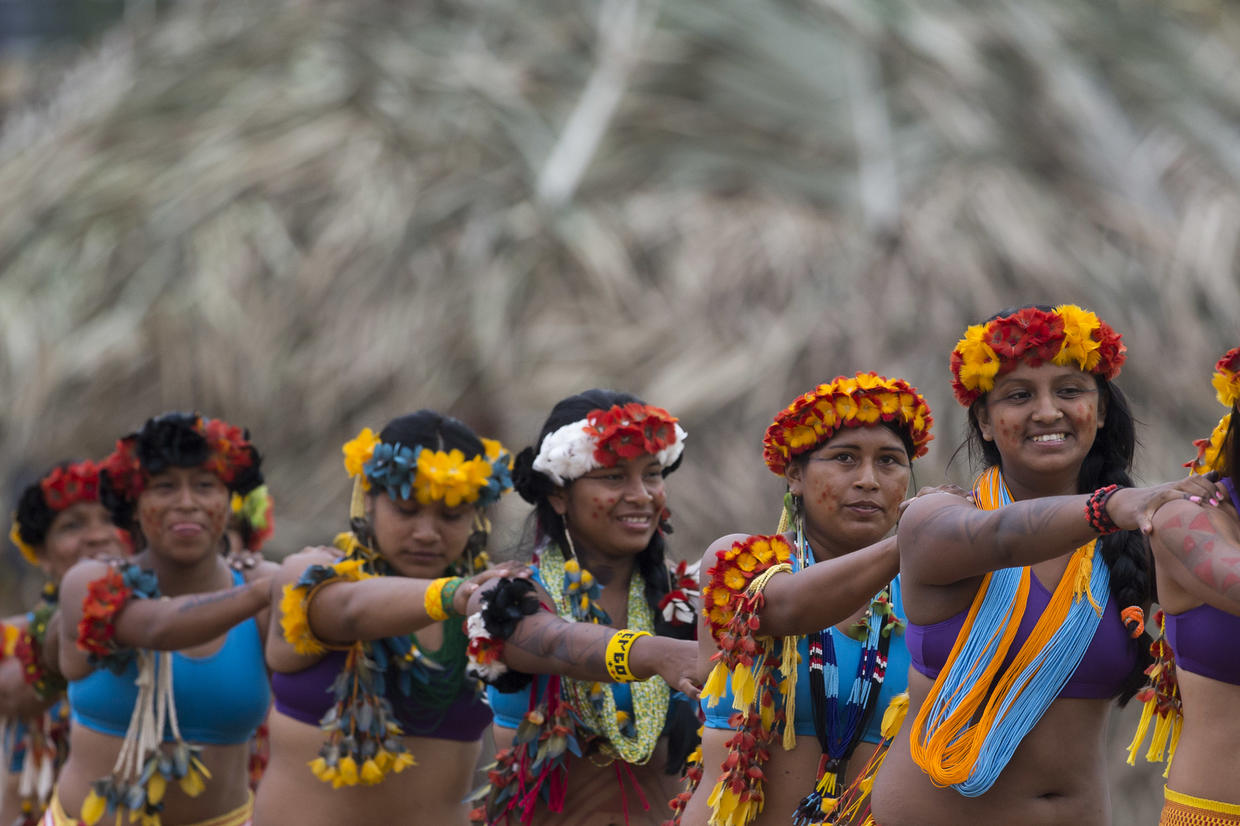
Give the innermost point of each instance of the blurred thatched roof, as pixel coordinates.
(311, 215)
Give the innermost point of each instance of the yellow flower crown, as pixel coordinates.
(863, 400)
(1226, 383)
(1063, 336)
(429, 475)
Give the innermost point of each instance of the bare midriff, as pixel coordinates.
(1207, 762)
(433, 791)
(1057, 775)
(92, 755)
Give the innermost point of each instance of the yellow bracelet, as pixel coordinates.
(617, 657)
(433, 600)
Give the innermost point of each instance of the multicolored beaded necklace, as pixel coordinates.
(839, 730)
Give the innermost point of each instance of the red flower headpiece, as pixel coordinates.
(623, 432)
(605, 437)
(1067, 335)
(846, 402)
(66, 486)
(229, 453)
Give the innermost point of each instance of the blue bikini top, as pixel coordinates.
(220, 698)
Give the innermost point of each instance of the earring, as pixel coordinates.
(568, 539)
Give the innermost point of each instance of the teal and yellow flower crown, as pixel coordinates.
(429, 475)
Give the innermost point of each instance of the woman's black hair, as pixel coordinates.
(1109, 462)
(172, 440)
(33, 516)
(535, 487)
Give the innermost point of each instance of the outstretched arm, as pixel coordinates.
(945, 539)
(343, 611)
(1197, 547)
(827, 592)
(544, 643)
(165, 624)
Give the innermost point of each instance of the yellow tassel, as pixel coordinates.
(789, 659)
(894, 716)
(743, 686)
(1143, 726)
(716, 685)
(1080, 585)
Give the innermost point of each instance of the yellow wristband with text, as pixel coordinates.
(618, 655)
(433, 600)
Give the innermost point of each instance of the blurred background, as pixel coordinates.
(310, 216)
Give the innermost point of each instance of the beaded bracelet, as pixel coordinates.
(438, 597)
(617, 657)
(1096, 510)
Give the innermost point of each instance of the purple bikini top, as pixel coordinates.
(306, 696)
(1101, 675)
(1206, 640)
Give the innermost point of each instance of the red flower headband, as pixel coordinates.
(1063, 336)
(68, 485)
(846, 402)
(228, 453)
(605, 437)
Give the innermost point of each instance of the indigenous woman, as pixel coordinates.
(346, 657)
(59, 521)
(1196, 546)
(163, 696)
(845, 450)
(1025, 601)
(573, 749)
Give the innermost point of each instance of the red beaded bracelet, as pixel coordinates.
(1096, 510)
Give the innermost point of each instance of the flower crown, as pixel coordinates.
(63, 487)
(255, 510)
(1068, 335)
(229, 453)
(430, 475)
(846, 402)
(1226, 383)
(605, 437)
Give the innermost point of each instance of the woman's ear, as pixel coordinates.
(558, 498)
(982, 413)
(795, 474)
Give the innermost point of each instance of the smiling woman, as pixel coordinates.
(596, 480)
(149, 727)
(1025, 599)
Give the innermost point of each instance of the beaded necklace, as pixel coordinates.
(839, 730)
(631, 740)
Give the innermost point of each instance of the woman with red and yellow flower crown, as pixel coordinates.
(164, 663)
(1195, 688)
(1025, 601)
(58, 521)
(603, 618)
(806, 626)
